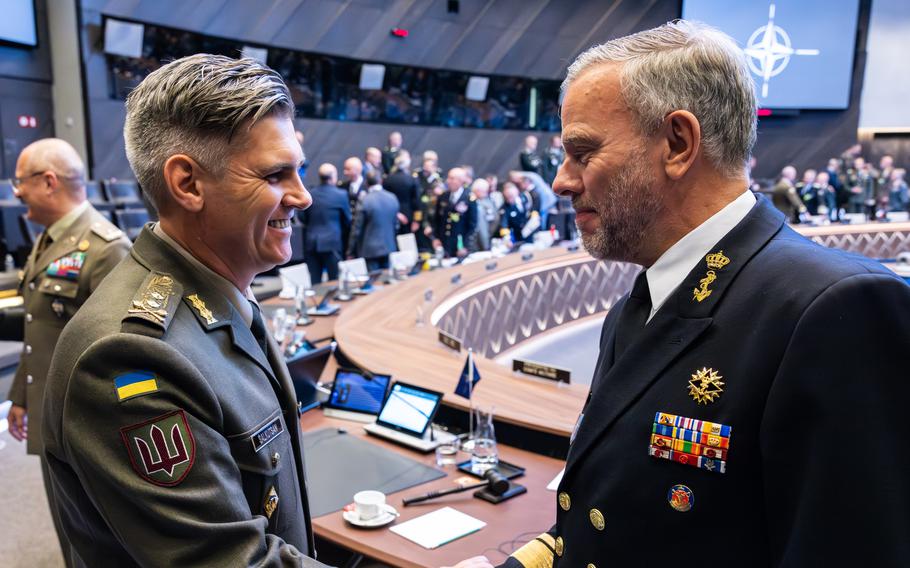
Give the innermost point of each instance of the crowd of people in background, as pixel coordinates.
(849, 184)
(451, 213)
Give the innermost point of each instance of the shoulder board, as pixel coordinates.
(156, 301)
(106, 231)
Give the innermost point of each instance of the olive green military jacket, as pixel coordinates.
(171, 438)
(54, 285)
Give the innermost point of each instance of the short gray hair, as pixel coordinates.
(689, 66)
(194, 106)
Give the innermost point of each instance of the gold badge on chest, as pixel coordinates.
(715, 261)
(270, 503)
(705, 386)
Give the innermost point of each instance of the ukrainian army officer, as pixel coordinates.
(67, 263)
(171, 431)
(719, 417)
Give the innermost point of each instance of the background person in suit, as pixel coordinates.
(375, 226)
(67, 264)
(552, 159)
(353, 182)
(717, 404)
(402, 184)
(514, 212)
(186, 448)
(528, 158)
(326, 226)
(390, 152)
(487, 215)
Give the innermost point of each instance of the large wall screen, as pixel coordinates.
(800, 52)
(17, 24)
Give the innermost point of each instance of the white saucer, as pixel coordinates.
(387, 515)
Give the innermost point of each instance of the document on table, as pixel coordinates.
(439, 527)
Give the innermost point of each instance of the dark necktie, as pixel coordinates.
(258, 329)
(634, 316)
(43, 242)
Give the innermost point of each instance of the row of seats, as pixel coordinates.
(104, 195)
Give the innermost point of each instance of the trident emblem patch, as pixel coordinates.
(162, 450)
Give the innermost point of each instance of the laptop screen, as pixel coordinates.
(354, 392)
(409, 408)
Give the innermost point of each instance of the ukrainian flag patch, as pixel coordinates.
(135, 384)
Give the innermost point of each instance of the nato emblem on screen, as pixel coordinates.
(800, 52)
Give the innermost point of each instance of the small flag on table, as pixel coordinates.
(469, 377)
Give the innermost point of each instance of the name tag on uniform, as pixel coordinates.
(266, 434)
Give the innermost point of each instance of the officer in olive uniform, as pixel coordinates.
(171, 422)
(67, 264)
(456, 215)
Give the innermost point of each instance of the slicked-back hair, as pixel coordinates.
(689, 66)
(202, 106)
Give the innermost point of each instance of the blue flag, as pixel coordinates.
(463, 389)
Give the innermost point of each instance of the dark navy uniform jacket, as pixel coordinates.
(813, 347)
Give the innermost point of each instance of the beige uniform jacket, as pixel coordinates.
(55, 285)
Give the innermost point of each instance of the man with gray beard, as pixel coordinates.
(720, 424)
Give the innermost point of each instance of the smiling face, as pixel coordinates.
(611, 171)
(246, 217)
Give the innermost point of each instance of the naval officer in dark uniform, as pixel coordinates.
(171, 425)
(456, 216)
(68, 261)
(722, 427)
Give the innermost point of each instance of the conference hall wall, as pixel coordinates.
(524, 38)
(26, 111)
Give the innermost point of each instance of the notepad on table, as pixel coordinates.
(439, 527)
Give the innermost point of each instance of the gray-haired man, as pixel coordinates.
(722, 427)
(171, 426)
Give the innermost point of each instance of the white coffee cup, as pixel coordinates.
(369, 504)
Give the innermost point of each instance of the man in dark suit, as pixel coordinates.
(514, 212)
(375, 226)
(552, 159)
(720, 421)
(353, 182)
(390, 152)
(402, 185)
(528, 158)
(326, 226)
(456, 216)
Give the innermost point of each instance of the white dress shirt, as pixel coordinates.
(665, 275)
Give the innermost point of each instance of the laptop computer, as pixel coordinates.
(356, 396)
(406, 418)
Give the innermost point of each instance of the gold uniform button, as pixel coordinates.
(28, 349)
(565, 502)
(31, 285)
(28, 318)
(597, 519)
(559, 546)
(591, 566)
(57, 288)
(29, 379)
(275, 458)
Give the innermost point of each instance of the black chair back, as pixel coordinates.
(125, 193)
(131, 221)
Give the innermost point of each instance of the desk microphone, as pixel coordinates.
(495, 481)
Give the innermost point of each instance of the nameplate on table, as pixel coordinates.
(541, 370)
(450, 341)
